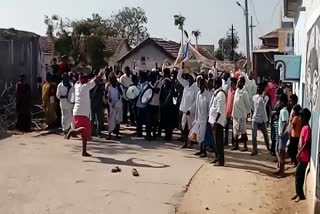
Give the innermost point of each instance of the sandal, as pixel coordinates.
(116, 170)
(135, 173)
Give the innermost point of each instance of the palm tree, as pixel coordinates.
(179, 21)
(51, 23)
(196, 34)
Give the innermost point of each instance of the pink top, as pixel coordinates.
(305, 137)
(230, 99)
(271, 90)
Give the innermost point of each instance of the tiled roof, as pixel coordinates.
(274, 34)
(46, 45)
(170, 47)
(206, 53)
(112, 45)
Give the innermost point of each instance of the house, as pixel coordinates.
(305, 15)
(19, 54)
(151, 53)
(115, 49)
(263, 58)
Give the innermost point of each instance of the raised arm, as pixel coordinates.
(182, 81)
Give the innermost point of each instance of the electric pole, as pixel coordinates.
(251, 28)
(246, 13)
(232, 43)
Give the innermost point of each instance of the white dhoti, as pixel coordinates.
(187, 120)
(199, 125)
(66, 118)
(199, 128)
(115, 116)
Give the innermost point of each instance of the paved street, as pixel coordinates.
(46, 174)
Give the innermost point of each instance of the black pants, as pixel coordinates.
(97, 116)
(293, 149)
(152, 120)
(23, 121)
(226, 132)
(218, 132)
(126, 104)
(300, 176)
(167, 121)
(141, 120)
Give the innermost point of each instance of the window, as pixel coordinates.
(143, 60)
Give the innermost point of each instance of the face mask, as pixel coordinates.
(83, 80)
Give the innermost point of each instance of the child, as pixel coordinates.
(275, 123)
(283, 134)
(295, 130)
(303, 155)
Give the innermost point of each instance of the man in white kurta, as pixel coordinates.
(201, 116)
(65, 93)
(241, 108)
(115, 103)
(188, 104)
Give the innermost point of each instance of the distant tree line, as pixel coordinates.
(83, 40)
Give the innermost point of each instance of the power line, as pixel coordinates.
(274, 9)
(254, 12)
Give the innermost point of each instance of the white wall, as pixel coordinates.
(302, 26)
(152, 56)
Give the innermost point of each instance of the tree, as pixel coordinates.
(52, 23)
(179, 21)
(130, 23)
(196, 34)
(224, 52)
(82, 41)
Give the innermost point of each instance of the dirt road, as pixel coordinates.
(47, 175)
(246, 185)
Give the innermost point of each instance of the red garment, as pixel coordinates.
(271, 91)
(305, 138)
(230, 99)
(63, 67)
(83, 121)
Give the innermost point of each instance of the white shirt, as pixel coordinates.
(260, 113)
(82, 98)
(155, 101)
(241, 104)
(126, 81)
(65, 103)
(189, 94)
(113, 95)
(218, 105)
(202, 106)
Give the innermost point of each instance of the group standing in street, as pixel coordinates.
(204, 107)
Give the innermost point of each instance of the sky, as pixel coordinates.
(212, 17)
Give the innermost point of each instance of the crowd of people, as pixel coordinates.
(203, 107)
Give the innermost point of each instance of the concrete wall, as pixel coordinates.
(19, 55)
(307, 38)
(152, 56)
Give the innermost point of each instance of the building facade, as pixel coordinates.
(306, 18)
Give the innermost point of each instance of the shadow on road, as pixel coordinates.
(130, 162)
